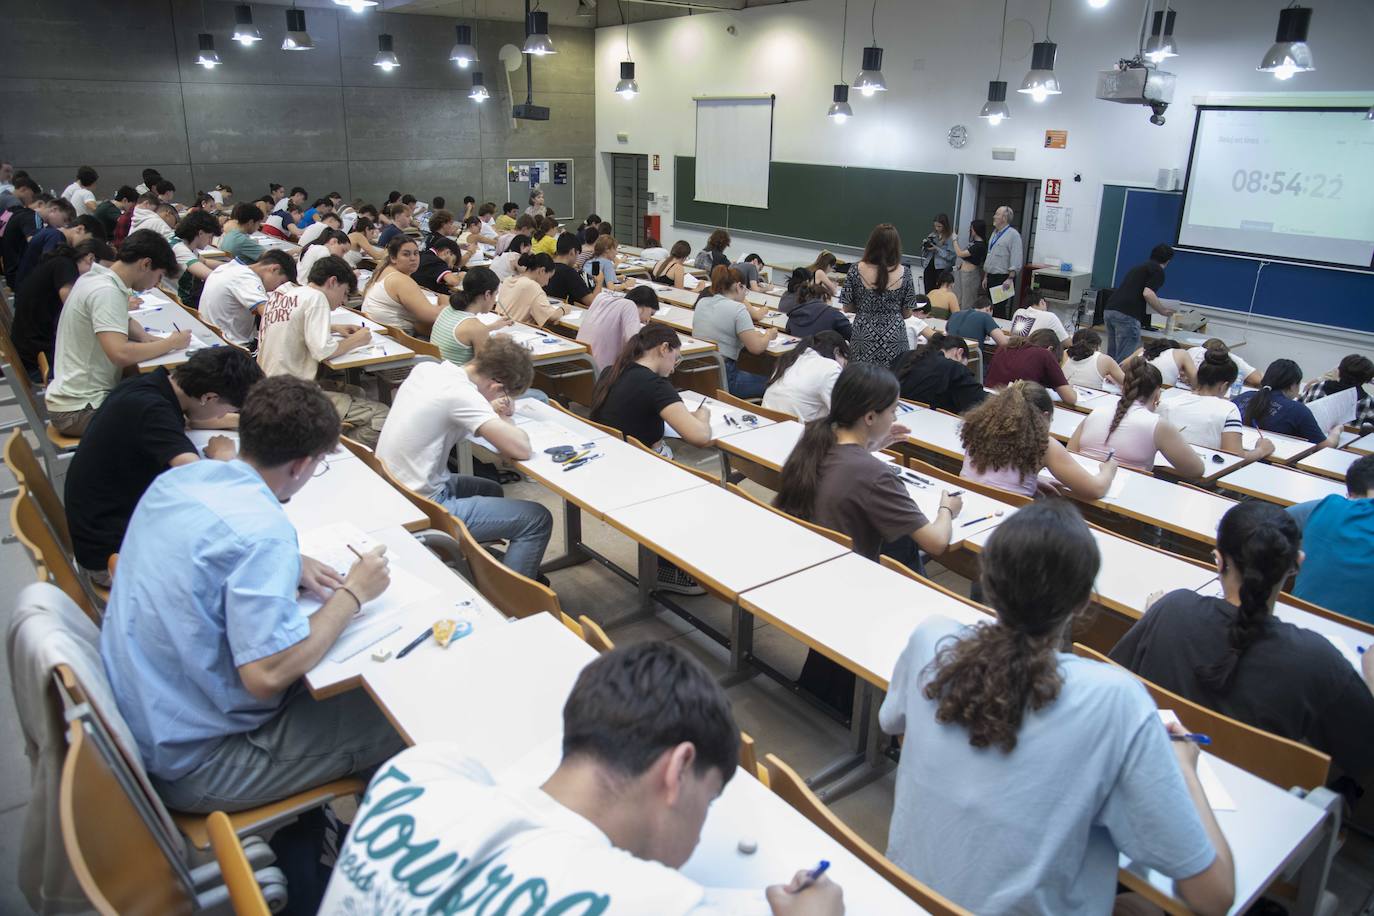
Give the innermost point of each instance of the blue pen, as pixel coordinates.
(1195, 738)
(814, 875)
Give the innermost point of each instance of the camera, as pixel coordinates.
(1158, 108)
(928, 242)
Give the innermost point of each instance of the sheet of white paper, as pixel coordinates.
(734, 902)
(1334, 409)
(1212, 786)
(1093, 467)
(690, 282)
(344, 316)
(999, 294)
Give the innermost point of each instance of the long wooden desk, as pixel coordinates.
(1363, 445)
(347, 490)
(1281, 485)
(1329, 462)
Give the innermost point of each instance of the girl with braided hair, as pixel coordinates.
(1133, 431)
(1231, 653)
(995, 715)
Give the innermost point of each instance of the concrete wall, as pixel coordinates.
(114, 84)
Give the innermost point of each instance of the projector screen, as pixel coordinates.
(733, 150)
(1290, 183)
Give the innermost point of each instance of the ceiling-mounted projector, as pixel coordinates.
(1133, 82)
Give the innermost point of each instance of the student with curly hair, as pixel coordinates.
(1134, 430)
(994, 717)
(1231, 654)
(1007, 444)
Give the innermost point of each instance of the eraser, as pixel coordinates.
(748, 846)
(381, 655)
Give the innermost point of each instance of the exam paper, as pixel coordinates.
(1334, 409)
(1212, 786)
(1093, 467)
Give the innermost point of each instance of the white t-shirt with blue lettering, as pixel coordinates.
(1038, 830)
(435, 833)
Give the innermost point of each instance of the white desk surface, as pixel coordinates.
(1364, 444)
(768, 445)
(675, 316)
(720, 428)
(201, 438)
(405, 552)
(352, 492)
(542, 344)
(622, 476)
(1286, 448)
(930, 429)
(1211, 468)
(381, 349)
(745, 545)
(782, 343)
(535, 409)
(347, 316)
(1329, 462)
(695, 346)
(161, 316)
(1279, 484)
(817, 606)
(1263, 832)
(1186, 510)
(1064, 422)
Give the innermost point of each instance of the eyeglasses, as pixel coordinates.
(322, 468)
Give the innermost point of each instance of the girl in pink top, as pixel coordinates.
(1133, 431)
(612, 319)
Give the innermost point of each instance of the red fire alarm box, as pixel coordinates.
(651, 226)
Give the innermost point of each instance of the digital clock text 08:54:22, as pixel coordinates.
(1315, 185)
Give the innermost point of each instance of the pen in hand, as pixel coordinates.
(814, 875)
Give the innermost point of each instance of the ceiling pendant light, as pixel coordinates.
(1040, 82)
(356, 6)
(995, 109)
(386, 55)
(1098, 4)
(479, 90)
(839, 110)
(1290, 54)
(464, 51)
(208, 56)
(537, 40)
(870, 78)
(627, 88)
(297, 38)
(1161, 45)
(245, 33)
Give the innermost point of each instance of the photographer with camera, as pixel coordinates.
(938, 247)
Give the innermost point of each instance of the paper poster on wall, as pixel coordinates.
(657, 166)
(535, 175)
(1056, 219)
(1056, 139)
(522, 173)
(560, 173)
(1052, 188)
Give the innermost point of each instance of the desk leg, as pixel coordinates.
(720, 366)
(741, 648)
(574, 554)
(871, 748)
(648, 578)
(1314, 871)
(859, 731)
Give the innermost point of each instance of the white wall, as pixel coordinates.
(938, 60)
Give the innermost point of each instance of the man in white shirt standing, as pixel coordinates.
(235, 292)
(298, 333)
(648, 744)
(1006, 254)
(441, 403)
(82, 191)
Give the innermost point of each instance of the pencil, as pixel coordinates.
(355, 551)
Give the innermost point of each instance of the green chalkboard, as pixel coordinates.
(828, 204)
(1108, 235)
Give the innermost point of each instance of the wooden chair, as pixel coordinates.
(594, 635)
(423, 347)
(51, 443)
(116, 857)
(28, 473)
(245, 896)
(726, 397)
(608, 430)
(788, 785)
(573, 625)
(513, 594)
(930, 583)
(962, 483)
(836, 536)
(1274, 759)
(749, 760)
(50, 561)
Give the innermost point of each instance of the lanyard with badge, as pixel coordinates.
(997, 235)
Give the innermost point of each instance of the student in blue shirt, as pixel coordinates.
(976, 323)
(322, 208)
(204, 640)
(995, 716)
(1275, 406)
(1336, 535)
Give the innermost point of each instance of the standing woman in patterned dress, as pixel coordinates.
(880, 292)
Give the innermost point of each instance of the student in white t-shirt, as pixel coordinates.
(441, 403)
(312, 232)
(298, 333)
(81, 192)
(649, 743)
(1206, 416)
(1029, 319)
(326, 243)
(1173, 360)
(1248, 374)
(805, 375)
(917, 330)
(235, 292)
(994, 715)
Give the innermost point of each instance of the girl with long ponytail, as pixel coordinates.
(1133, 431)
(1275, 406)
(635, 396)
(1225, 649)
(1205, 416)
(995, 714)
(459, 332)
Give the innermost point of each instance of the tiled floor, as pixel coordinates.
(781, 723)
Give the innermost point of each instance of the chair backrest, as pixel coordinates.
(513, 594)
(698, 472)
(836, 536)
(245, 896)
(114, 855)
(749, 758)
(49, 559)
(910, 573)
(594, 635)
(19, 379)
(1274, 759)
(29, 473)
(788, 785)
(573, 625)
(608, 430)
(726, 397)
(438, 516)
(963, 483)
(423, 347)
